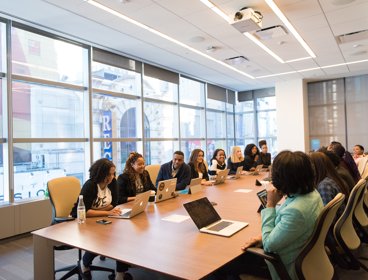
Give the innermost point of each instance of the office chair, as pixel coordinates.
(153, 172)
(63, 193)
(313, 255)
(361, 216)
(344, 231)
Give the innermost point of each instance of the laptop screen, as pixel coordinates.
(202, 212)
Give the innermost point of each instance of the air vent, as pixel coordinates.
(236, 60)
(271, 32)
(353, 37)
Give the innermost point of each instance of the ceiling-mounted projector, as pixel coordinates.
(247, 20)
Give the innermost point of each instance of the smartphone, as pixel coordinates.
(103, 221)
(262, 195)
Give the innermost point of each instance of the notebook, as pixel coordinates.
(221, 177)
(208, 220)
(139, 205)
(195, 185)
(165, 190)
(237, 173)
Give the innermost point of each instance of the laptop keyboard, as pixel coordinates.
(220, 226)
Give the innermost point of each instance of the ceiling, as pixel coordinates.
(196, 26)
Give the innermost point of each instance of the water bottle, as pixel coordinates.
(81, 211)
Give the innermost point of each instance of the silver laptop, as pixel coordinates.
(140, 203)
(165, 190)
(221, 177)
(195, 185)
(237, 173)
(257, 170)
(208, 220)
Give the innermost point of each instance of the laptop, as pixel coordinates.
(195, 186)
(208, 220)
(257, 170)
(237, 173)
(140, 203)
(165, 190)
(221, 177)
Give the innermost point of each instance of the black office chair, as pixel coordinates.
(64, 192)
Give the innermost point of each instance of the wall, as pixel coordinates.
(292, 116)
(24, 217)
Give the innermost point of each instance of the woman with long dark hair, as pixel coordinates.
(134, 179)
(198, 168)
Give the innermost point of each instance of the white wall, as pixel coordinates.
(292, 116)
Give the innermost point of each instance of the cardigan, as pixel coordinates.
(194, 173)
(233, 166)
(127, 187)
(215, 167)
(90, 191)
(286, 230)
(183, 175)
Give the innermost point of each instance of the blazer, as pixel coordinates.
(183, 175)
(287, 229)
(249, 162)
(194, 173)
(264, 159)
(127, 187)
(234, 166)
(89, 192)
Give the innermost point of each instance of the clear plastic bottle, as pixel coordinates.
(81, 211)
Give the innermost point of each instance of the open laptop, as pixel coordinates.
(140, 203)
(165, 190)
(221, 177)
(208, 220)
(195, 185)
(257, 170)
(237, 173)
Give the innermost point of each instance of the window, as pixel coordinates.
(50, 124)
(4, 192)
(337, 110)
(255, 114)
(116, 107)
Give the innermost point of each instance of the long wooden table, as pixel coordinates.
(176, 249)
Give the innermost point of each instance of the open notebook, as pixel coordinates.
(208, 220)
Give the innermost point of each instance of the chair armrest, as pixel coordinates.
(63, 219)
(274, 259)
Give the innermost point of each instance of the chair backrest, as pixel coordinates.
(359, 212)
(153, 171)
(344, 231)
(63, 192)
(314, 254)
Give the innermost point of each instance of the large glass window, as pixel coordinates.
(337, 110)
(49, 98)
(326, 112)
(255, 118)
(42, 57)
(4, 192)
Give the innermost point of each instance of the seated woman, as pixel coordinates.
(134, 179)
(100, 195)
(198, 168)
(217, 162)
(358, 153)
(285, 230)
(235, 160)
(347, 160)
(264, 157)
(250, 157)
(328, 181)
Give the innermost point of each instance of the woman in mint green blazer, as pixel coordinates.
(285, 230)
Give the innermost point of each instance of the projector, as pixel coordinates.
(247, 20)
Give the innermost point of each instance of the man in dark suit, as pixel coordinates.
(176, 168)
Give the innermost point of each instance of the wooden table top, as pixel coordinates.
(176, 249)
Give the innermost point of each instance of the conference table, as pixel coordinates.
(150, 241)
